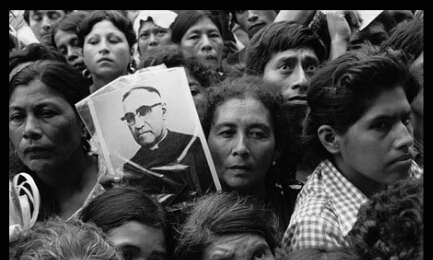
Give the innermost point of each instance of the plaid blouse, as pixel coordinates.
(326, 209)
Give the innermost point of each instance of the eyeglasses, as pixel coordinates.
(141, 112)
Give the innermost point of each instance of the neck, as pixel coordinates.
(257, 191)
(364, 184)
(99, 82)
(74, 175)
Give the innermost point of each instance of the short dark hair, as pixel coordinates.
(117, 18)
(33, 52)
(280, 36)
(147, 88)
(116, 206)
(173, 56)
(222, 213)
(343, 89)
(61, 77)
(68, 23)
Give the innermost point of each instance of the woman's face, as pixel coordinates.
(238, 247)
(378, 148)
(204, 40)
(106, 51)
(43, 127)
(139, 242)
(151, 36)
(242, 142)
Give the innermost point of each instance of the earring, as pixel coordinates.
(86, 73)
(131, 66)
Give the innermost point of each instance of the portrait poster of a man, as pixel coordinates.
(147, 129)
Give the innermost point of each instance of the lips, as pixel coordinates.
(256, 26)
(303, 98)
(105, 59)
(34, 149)
(209, 57)
(240, 168)
(79, 66)
(404, 157)
(297, 99)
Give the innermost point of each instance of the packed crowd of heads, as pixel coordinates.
(313, 121)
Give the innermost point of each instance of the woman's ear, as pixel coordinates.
(84, 132)
(328, 138)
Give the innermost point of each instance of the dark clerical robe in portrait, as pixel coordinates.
(176, 171)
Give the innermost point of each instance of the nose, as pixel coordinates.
(205, 43)
(252, 16)
(46, 23)
(139, 122)
(32, 129)
(240, 146)
(404, 137)
(103, 47)
(73, 53)
(153, 41)
(299, 80)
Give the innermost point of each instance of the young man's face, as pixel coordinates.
(378, 148)
(147, 128)
(41, 23)
(292, 69)
(253, 20)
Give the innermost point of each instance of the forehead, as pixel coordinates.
(46, 12)
(142, 97)
(149, 24)
(390, 102)
(34, 91)
(104, 27)
(204, 23)
(303, 54)
(237, 110)
(229, 246)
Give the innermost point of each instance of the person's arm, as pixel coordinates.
(341, 25)
(299, 16)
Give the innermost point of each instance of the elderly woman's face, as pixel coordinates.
(204, 41)
(237, 247)
(242, 142)
(43, 127)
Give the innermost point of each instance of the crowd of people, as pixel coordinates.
(313, 120)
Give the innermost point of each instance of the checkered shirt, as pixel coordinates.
(326, 209)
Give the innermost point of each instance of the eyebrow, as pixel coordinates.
(388, 116)
(292, 58)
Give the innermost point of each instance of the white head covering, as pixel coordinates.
(162, 18)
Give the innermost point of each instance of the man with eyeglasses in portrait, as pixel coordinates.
(169, 165)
